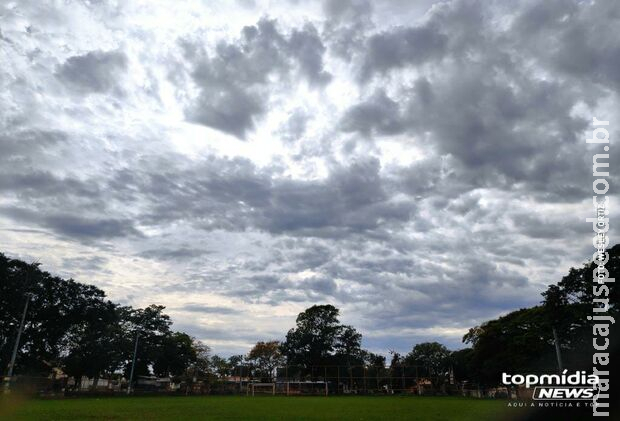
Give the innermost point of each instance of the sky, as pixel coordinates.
(421, 165)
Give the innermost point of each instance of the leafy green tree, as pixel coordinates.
(348, 347)
(201, 366)
(313, 341)
(461, 363)
(374, 360)
(57, 307)
(266, 357)
(396, 360)
(569, 303)
(221, 366)
(152, 327)
(432, 357)
(238, 366)
(175, 355)
(71, 325)
(520, 342)
(319, 339)
(235, 360)
(94, 346)
(523, 340)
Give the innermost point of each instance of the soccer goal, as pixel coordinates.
(262, 388)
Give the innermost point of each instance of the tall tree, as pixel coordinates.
(431, 357)
(221, 366)
(569, 303)
(313, 340)
(175, 355)
(374, 360)
(152, 327)
(71, 325)
(201, 366)
(266, 357)
(521, 341)
(348, 347)
(57, 306)
(93, 346)
(319, 339)
(461, 362)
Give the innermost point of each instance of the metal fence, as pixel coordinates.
(339, 379)
(289, 380)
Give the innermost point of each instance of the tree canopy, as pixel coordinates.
(522, 341)
(73, 326)
(266, 357)
(320, 339)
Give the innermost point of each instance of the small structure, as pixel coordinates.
(289, 388)
(424, 386)
(269, 388)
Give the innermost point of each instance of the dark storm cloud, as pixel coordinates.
(321, 284)
(259, 286)
(95, 71)
(74, 226)
(422, 177)
(479, 101)
(181, 253)
(458, 296)
(539, 226)
(77, 226)
(346, 10)
(274, 289)
(306, 46)
(440, 236)
(40, 184)
(377, 115)
(235, 195)
(402, 46)
(351, 200)
(67, 206)
(235, 82)
(304, 254)
(427, 278)
(573, 38)
(484, 122)
(230, 109)
(346, 25)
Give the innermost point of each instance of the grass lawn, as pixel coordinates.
(391, 408)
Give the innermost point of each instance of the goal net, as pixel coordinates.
(262, 389)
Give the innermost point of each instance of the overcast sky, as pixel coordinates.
(421, 165)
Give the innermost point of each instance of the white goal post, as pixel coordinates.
(268, 388)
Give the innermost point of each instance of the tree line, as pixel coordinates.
(72, 326)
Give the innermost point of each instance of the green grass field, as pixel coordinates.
(258, 408)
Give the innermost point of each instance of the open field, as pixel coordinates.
(258, 408)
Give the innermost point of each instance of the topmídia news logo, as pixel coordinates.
(576, 386)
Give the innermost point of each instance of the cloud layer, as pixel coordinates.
(424, 168)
